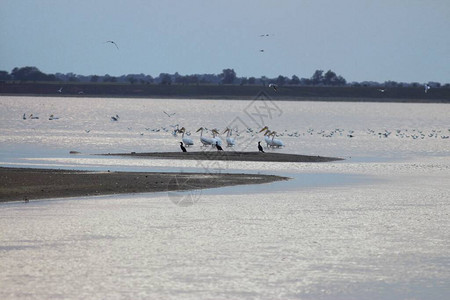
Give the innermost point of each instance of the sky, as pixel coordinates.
(362, 40)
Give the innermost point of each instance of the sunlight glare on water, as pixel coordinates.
(374, 226)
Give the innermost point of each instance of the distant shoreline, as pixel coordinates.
(227, 92)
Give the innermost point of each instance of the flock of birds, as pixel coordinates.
(33, 117)
(211, 137)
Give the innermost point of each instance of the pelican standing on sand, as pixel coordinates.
(186, 140)
(216, 137)
(205, 140)
(230, 141)
(272, 142)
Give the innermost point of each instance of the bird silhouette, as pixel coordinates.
(182, 147)
(219, 148)
(112, 42)
(260, 148)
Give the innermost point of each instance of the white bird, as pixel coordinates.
(205, 140)
(112, 42)
(271, 142)
(218, 140)
(60, 90)
(186, 140)
(427, 87)
(230, 141)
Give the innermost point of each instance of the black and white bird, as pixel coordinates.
(112, 42)
(274, 86)
(182, 147)
(219, 148)
(115, 118)
(260, 148)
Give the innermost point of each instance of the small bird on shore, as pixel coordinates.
(260, 148)
(115, 118)
(182, 147)
(219, 148)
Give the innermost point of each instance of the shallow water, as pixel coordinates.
(374, 226)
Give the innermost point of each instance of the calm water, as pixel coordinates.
(375, 226)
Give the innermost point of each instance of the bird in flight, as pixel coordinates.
(112, 42)
(274, 86)
(169, 115)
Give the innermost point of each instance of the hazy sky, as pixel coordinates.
(379, 40)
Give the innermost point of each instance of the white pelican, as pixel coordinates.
(272, 142)
(186, 140)
(230, 141)
(205, 140)
(275, 142)
(216, 137)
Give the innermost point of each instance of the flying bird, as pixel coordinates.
(112, 42)
(427, 87)
(262, 50)
(274, 86)
(169, 115)
(60, 90)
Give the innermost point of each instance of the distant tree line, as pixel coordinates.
(228, 76)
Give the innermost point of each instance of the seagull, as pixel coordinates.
(112, 42)
(60, 90)
(169, 115)
(427, 87)
(274, 86)
(381, 90)
(182, 147)
(260, 148)
(219, 148)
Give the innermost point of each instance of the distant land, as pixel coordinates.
(228, 91)
(321, 86)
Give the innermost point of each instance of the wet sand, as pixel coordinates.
(23, 184)
(231, 156)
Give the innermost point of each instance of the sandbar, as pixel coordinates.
(25, 184)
